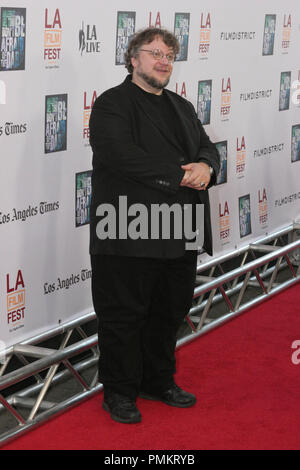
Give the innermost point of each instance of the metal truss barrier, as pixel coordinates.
(264, 268)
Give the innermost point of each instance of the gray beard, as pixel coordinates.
(153, 82)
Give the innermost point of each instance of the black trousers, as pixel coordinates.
(140, 304)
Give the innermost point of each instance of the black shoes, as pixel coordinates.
(174, 396)
(121, 408)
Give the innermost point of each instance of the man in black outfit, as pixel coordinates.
(148, 146)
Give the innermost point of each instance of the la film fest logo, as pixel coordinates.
(88, 103)
(205, 32)
(154, 19)
(15, 300)
(180, 89)
(263, 208)
(286, 33)
(224, 222)
(225, 98)
(52, 38)
(240, 157)
(137, 222)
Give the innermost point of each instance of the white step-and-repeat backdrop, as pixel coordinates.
(239, 65)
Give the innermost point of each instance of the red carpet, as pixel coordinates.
(248, 393)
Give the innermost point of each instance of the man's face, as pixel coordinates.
(155, 73)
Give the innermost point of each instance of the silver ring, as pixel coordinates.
(202, 184)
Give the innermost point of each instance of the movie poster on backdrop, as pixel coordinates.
(125, 31)
(12, 37)
(56, 123)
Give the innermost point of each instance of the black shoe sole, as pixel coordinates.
(136, 419)
(147, 396)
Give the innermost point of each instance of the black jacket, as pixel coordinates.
(135, 155)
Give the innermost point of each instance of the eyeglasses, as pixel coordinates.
(159, 55)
